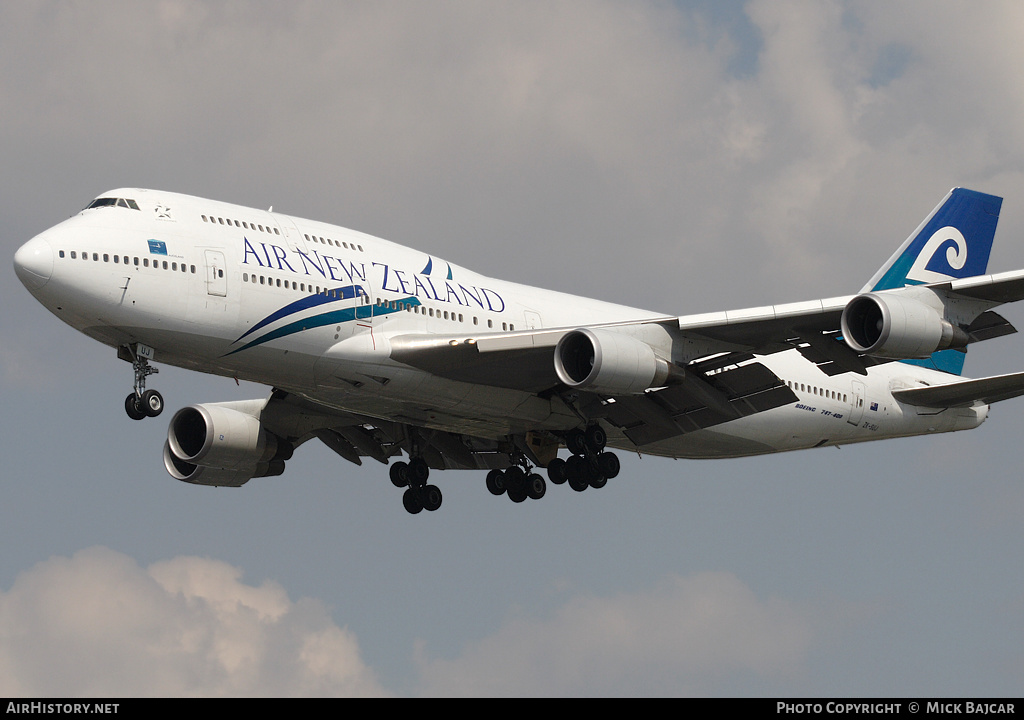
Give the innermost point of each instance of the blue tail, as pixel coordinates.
(953, 242)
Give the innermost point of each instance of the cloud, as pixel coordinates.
(98, 624)
(687, 636)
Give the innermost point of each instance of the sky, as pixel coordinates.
(679, 156)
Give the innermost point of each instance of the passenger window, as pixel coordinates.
(74, 256)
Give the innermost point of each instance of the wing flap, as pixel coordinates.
(965, 393)
(699, 402)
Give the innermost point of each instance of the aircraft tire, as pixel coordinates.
(517, 495)
(576, 441)
(556, 471)
(496, 482)
(411, 501)
(535, 486)
(133, 407)
(152, 403)
(596, 438)
(418, 471)
(430, 498)
(515, 479)
(399, 473)
(608, 464)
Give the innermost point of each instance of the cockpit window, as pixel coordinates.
(113, 202)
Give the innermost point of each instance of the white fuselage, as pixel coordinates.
(309, 307)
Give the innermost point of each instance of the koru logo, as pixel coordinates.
(955, 257)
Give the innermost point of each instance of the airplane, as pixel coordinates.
(384, 352)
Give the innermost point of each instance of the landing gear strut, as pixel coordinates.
(413, 476)
(141, 403)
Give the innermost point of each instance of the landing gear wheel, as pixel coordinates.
(576, 441)
(418, 471)
(430, 498)
(496, 482)
(152, 403)
(597, 438)
(578, 483)
(608, 464)
(517, 495)
(556, 471)
(399, 473)
(535, 486)
(515, 480)
(412, 502)
(598, 481)
(133, 407)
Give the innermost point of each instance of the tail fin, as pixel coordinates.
(954, 241)
(963, 224)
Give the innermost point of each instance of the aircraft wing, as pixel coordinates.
(964, 393)
(522, 360)
(354, 436)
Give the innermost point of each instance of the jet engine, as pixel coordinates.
(218, 445)
(610, 362)
(897, 327)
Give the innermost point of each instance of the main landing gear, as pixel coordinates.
(413, 476)
(141, 403)
(590, 465)
(518, 482)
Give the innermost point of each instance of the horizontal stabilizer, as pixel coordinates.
(968, 392)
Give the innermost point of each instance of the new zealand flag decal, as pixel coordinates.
(157, 247)
(874, 406)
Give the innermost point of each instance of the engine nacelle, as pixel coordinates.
(218, 445)
(896, 327)
(608, 361)
(199, 475)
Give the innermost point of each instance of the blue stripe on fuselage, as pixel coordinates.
(309, 301)
(360, 312)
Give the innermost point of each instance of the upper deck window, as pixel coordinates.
(114, 202)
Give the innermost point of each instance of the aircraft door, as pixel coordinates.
(216, 273)
(857, 400)
(291, 233)
(532, 320)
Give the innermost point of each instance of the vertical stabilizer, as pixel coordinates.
(953, 242)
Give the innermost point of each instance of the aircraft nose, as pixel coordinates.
(33, 263)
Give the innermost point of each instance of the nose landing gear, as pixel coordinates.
(141, 403)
